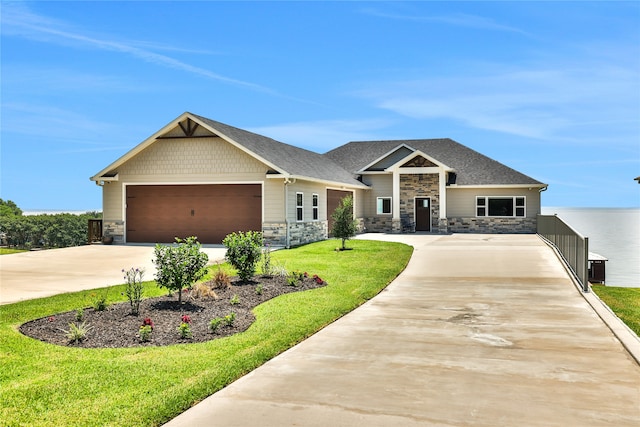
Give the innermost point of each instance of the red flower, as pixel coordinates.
(147, 322)
(186, 318)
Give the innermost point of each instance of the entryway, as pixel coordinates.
(423, 213)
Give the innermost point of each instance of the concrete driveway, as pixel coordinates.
(479, 330)
(37, 274)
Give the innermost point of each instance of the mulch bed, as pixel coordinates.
(116, 327)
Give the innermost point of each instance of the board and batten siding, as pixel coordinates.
(381, 186)
(461, 202)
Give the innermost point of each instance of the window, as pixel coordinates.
(384, 206)
(299, 206)
(314, 205)
(501, 206)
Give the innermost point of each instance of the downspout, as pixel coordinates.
(287, 181)
(286, 213)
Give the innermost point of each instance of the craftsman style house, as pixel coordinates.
(196, 176)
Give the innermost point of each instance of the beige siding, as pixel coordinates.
(273, 200)
(461, 202)
(382, 186)
(112, 201)
(189, 161)
(307, 188)
(177, 158)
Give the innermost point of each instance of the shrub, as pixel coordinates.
(179, 266)
(229, 318)
(100, 303)
(235, 300)
(79, 314)
(134, 288)
(77, 332)
(259, 289)
(243, 252)
(214, 324)
(145, 333)
(344, 226)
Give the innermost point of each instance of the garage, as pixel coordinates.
(333, 201)
(160, 213)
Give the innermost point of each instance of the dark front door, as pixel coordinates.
(423, 213)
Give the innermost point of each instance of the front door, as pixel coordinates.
(423, 213)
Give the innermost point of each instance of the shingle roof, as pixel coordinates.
(293, 160)
(471, 167)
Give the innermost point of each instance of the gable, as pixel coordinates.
(419, 162)
(390, 159)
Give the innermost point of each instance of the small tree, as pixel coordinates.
(244, 250)
(344, 226)
(179, 266)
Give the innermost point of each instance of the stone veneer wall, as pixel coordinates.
(299, 233)
(114, 229)
(492, 225)
(419, 185)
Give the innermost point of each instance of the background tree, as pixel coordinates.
(9, 208)
(344, 226)
(180, 266)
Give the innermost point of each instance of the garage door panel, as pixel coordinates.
(159, 213)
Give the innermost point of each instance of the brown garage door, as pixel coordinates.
(333, 200)
(160, 213)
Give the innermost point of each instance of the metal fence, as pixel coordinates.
(573, 247)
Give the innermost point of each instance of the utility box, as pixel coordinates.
(597, 271)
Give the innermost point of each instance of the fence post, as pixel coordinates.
(585, 273)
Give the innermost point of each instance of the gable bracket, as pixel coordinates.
(190, 128)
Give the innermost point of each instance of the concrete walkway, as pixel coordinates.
(482, 330)
(37, 274)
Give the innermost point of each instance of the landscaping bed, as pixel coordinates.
(117, 327)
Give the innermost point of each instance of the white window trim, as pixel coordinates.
(300, 207)
(515, 208)
(315, 208)
(379, 205)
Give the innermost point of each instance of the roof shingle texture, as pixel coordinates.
(294, 160)
(471, 167)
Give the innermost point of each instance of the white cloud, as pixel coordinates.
(17, 20)
(455, 19)
(550, 102)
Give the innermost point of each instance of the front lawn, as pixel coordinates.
(44, 384)
(8, 251)
(625, 303)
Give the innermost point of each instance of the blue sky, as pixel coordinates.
(551, 89)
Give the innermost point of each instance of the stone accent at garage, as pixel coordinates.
(275, 233)
(492, 225)
(300, 233)
(307, 232)
(114, 229)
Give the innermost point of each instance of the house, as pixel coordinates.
(197, 176)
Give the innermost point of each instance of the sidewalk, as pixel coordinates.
(483, 330)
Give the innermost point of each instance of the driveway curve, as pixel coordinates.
(479, 330)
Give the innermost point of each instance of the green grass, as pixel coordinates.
(44, 385)
(625, 303)
(7, 251)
